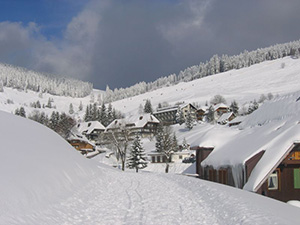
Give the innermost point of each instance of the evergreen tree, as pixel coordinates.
(71, 109)
(189, 120)
(253, 106)
(38, 104)
(174, 143)
(103, 115)
(49, 104)
(17, 112)
(210, 116)
(1, 86)
(137, 159)
(110, 116)
(87, 116)
(148, 107)
(234, 107)
(22, 112)
(80, 106)
(179, 116)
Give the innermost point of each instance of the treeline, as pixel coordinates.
(23, 79)
(217, 64)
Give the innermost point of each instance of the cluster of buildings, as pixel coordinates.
(88, 135)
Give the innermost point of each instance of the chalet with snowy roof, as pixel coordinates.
(263, 157)
(236, 121)
(145, 125)
(200, 113)
(92, 129)
(168, 115)
(220, 109)
(81, 143)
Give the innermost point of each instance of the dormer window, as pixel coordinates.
(89, 124)
(141, 117)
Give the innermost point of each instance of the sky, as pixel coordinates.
(122, 42)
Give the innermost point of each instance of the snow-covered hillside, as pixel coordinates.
(277, 77)
(242, 85)
(45, 181)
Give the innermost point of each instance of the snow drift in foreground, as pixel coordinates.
(45, 181)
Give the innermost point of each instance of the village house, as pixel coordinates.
(220, 109)
(263, 157)
(81, 144)
(168, 115)
(144, 125)
(92, 130)
(201, 112)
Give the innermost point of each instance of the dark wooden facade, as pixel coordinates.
(282, 184)
(82, 146)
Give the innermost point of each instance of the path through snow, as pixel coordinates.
(149, 198)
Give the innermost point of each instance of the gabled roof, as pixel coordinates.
(88, 127)
(141, 120)
(220, 105)
(273, 128)
(134, 121)
(117, 123)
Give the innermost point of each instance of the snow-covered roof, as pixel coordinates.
(274, 127)
(166, 109)
(117, 123)
(220, 105)
(138, 121)
(88, 127)
(141, 120)
(77, 136)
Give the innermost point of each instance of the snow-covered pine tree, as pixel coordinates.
(189, 120)
(80, 106)
(22, 112)
(148, 107)
(1, 86)
(110, 116)
(174, 142)
(179, 116)
(137, 158)
(71, 109)
(234, 107)
(210, 116)
(103, 115)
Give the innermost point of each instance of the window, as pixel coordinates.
(295, 155)
(180, 156)
(158, 159)
(297, 178)
(153, 159)
(273, 181)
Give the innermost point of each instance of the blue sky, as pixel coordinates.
(122, 42)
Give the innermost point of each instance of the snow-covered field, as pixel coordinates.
(45, 181)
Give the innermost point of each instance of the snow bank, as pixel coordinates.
(37, 167)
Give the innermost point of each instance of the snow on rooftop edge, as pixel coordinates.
(274, 127)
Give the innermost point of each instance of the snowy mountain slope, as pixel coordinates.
(45, 181)
(242, 85)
